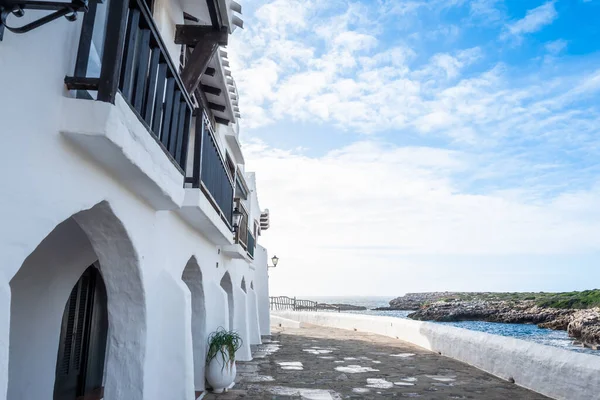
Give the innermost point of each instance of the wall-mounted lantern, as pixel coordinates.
(17, 8)
(274, 260)
(236, 219)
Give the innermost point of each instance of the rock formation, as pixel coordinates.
(582, 325)
(585, 327)
(341, 307)
(524, 312)
(414, 301)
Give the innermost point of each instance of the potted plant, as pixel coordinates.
(220, 360)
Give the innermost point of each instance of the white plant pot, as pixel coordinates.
(219, 376)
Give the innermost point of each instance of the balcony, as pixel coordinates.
(140, 126)
(208, 204)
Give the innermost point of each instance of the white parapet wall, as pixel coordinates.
(284, 322)
(554, 372)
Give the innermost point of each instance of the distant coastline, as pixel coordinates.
(578, 313)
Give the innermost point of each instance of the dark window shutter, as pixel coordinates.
(80, 361)
(81, 325)
(68, 340)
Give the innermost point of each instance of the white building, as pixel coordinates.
(122, 182)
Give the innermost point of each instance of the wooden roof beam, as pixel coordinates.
(206, 41)
(223, 121)
(211, 90)
(192, 35)
(216, 107)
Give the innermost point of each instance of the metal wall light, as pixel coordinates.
(274, 260)
(18, 7)
(236, 219)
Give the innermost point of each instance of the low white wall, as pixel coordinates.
(554, 372)
(284, 322)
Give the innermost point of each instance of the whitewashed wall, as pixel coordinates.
(45, 181)
(554, 372)
(261, 287)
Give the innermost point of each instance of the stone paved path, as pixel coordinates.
(318, 363)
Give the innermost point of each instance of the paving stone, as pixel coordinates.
(387, 368)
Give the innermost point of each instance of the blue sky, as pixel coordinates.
(409, 145)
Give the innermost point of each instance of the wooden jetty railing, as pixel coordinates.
(292, 304)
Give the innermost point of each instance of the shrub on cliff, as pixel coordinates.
(572, 300)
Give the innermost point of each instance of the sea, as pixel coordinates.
(528, 332)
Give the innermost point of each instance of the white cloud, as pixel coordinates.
(522, 178)
(343, 73)
(486, 11)
(371, 202)
(410, 199)
(556, 47)
(534, 20)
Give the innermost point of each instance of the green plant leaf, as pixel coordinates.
(225, 344)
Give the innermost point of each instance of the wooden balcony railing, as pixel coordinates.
(251, 244)
(122, 51)
(210, 172)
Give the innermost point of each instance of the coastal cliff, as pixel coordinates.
(575, 312)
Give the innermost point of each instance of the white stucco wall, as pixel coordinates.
(252, 317)
(554, 372)
(167, 14)
(46, 180)
(261, 287)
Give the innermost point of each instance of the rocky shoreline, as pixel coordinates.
(340, 307)
(582, 325)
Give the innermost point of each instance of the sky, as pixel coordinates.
(420, 145)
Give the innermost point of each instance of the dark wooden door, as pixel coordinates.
(82, 349)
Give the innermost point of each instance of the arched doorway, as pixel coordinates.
(227, 286)
(192, 277)
(42, 287)
(82, 346)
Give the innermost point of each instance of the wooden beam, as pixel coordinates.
(190, 17)
(210, 71)
(216, 107)
(223, 121)
(196, 64)
(205, 40)
(74, 83)
(191, 35)
(211, 90)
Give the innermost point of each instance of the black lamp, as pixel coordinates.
(274, 260)
(237, 219)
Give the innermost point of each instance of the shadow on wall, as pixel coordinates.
(43, 285)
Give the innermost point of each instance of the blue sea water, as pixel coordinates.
(519, 331)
